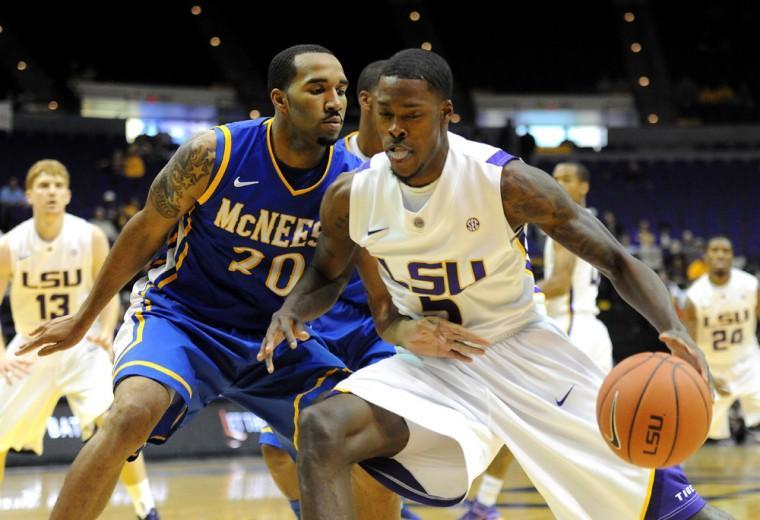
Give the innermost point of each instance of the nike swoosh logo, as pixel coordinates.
(239, 184)
(373, 231)
(562, 401)
(613, 438)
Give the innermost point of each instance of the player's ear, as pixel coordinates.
(279, 100)
(447, 108)
(365, 100)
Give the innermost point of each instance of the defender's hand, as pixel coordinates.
(284, 326)
(55, 335)
(437, 337)
(13, 368)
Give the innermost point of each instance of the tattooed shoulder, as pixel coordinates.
(530, 195)
(185, 176)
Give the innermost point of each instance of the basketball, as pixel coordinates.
(654, 410)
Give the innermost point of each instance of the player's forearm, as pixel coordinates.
(638, 285)
(137, 242)
(388, 320)
(314, 294)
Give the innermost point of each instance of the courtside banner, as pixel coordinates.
(222, 428)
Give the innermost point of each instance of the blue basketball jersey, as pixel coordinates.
(240, 251)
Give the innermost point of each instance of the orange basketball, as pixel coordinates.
(654, 410)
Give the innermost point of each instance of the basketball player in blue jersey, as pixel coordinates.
(244, 200)
(348, 328)
(440, 217)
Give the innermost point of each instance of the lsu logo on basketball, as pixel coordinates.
(653, 433)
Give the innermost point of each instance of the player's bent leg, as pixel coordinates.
(373, 500)
(139, 404)
(134, 476)
(283, 470)
(335, 434)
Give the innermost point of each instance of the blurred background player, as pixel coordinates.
(571, 284)
(721, 314)
(51, 261)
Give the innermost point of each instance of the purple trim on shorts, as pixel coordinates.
(395, 477)
(673, 497)
(500, 158)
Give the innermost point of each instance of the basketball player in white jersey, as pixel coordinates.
(721, 313)
(571, 284)
(440, 217)
(51, 261)
(570, 287)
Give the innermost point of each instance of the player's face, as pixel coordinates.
(412, 121)
(567, 177)
(49, 194)
(719, 256)
(317, 97)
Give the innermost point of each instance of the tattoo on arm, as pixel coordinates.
(190, 166)
(529, 195)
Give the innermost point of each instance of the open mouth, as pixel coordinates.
(397, 153)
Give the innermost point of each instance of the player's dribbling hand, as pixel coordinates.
(437, 337)
(12, 367)
(53, 336)
(682, 346)
(284, 326)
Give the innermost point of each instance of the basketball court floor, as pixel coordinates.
(240, 488)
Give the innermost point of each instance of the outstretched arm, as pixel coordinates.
(173, 193)
(529, 195)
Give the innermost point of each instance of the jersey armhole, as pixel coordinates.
(221, 161)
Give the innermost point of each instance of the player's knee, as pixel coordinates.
(320, 433)
(130, 423)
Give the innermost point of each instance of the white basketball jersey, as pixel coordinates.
(457, 256)
(584, 287)
(726, 317)
(49, 279)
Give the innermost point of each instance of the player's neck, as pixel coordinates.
(292, 149)
(719, 279)
(48, 227)
(368, 140)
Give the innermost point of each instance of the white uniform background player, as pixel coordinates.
(571, 284)
(51, 261)
(721, 313)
